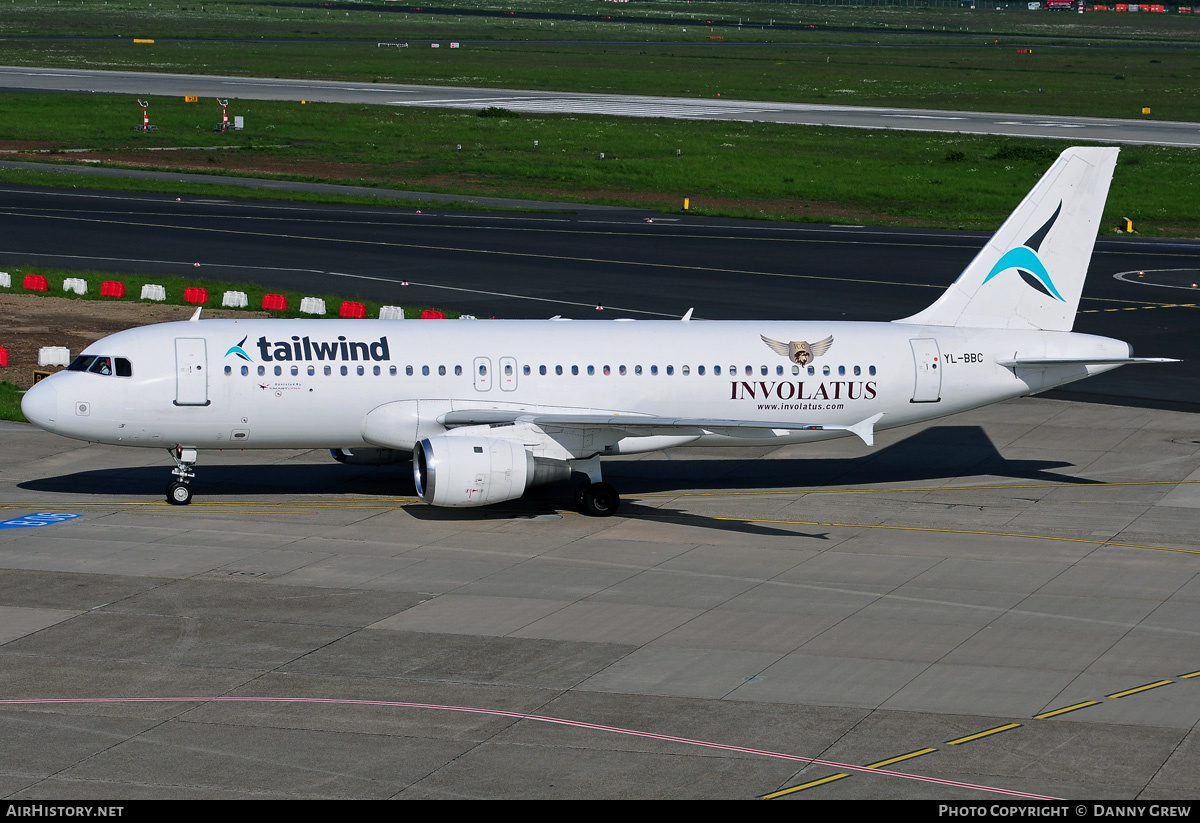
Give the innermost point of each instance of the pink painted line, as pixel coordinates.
(539, 718)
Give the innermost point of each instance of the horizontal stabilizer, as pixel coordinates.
(1036, 362)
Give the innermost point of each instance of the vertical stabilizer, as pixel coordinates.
(1031, 272)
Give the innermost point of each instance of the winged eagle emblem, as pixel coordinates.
(799, 351)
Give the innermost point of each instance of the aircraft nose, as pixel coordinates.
(40, 405)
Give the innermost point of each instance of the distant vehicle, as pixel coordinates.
(487, 409)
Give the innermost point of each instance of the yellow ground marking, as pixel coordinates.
(1066, 709)
(801, 788)
(1189, 675)
(1087, 484)
(1094, 541)
(1145, 688)
(908, 756)
(983, 734)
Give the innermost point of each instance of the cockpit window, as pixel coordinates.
(102, 364)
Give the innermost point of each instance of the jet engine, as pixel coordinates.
(476, 471)
(369, 457)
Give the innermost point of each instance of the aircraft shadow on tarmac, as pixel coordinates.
(934, 454)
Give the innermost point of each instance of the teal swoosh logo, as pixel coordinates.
(1026, 259)
(240, 352)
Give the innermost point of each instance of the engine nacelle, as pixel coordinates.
(369, 457)
(476, 471)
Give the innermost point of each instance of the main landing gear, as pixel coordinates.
(179, 491)
(592, 496)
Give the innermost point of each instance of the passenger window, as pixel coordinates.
(228, 370)
(408, 371)
(424, 371)
(328, 370)
(622, 371)
(607, 371)
(458, 371)
(344, 371)
(653, 370)
(392, 371)
(670, 370)
(717, 370)
(541, 369)
(763, 369)
(795, 369)
(637, 370)
(591, 370)
(527, 371)
(442, 371)
(295, 371)
(312, 370)
(375, 371)
(825, 371)
(558, 369)
(246, 371)
(749, 371)
(360, 371)
(871, 370)
(278, 370)
(482, 370)
(841, 371)
(574, 370)
(262, 370)
(779, 370)
(857, 371)
(700, 370)
(812, 370)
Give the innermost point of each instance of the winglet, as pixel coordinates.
(196, 314)
(688, 316)
(865, 429)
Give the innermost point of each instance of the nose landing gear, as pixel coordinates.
(179, 491)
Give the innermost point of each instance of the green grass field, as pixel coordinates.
(947, 58)
(741, 169)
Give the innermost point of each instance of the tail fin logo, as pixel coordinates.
(239, 351)
(1025, 260)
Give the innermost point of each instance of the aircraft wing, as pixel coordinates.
(648, 426)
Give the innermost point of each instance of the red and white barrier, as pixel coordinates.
(54, 356)
(312, 305)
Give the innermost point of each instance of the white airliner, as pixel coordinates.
(488, 409)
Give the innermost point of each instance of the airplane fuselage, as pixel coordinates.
(316, 383)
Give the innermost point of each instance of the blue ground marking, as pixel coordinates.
(37, 519)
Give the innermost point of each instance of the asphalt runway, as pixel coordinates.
(598, 264)
(1096, 129)
(996, 605)
(1000, 605)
